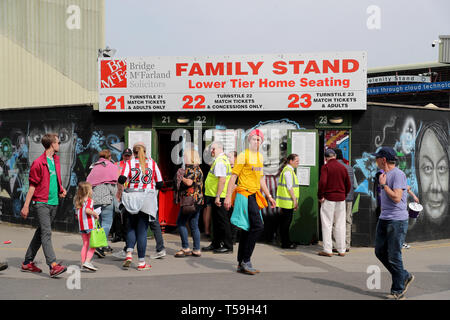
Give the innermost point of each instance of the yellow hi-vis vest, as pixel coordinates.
(211, 183)
(284, 199)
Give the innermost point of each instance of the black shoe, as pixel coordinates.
(99, 252)
(223, 250)
(107, 249)
(3, 266)
(346, 250)
(209, 248)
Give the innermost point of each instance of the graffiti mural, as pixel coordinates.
(339, 139)
(422, 148)
(273, 149)
(20, 145)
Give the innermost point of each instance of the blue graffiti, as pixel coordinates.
(405, 149)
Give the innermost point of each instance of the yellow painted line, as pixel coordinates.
(290, 253)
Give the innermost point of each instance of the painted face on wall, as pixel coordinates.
(66, 148)
(274, 146)
(434, 177)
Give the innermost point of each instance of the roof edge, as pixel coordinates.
(413, 66)
(381, 104)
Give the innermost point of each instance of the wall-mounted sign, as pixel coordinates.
(333, 120)
(304, 176)
(444, 85)
(140, 135)
(402, 78)
(304, 144)
(290, 82)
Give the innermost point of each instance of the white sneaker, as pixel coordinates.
(406, 246)
(120, 255)
(159, 254)
(89, 266)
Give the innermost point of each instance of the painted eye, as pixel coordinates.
(36, 138)
(63, 136)
(442, 169)
(427, 169)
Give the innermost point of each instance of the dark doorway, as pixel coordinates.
(167, 208)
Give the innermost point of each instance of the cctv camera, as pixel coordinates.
(433, 44)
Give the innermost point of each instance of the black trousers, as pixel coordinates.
(285, 223)
(119, 225)
(248, 238)
(222, 232)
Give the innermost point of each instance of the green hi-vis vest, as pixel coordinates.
(284, 199)
(212, 181)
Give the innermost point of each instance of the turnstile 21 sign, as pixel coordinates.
(333, 81)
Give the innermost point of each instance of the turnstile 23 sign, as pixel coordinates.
(326, 81)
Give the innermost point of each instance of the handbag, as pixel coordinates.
(98, 237)
(187, 204)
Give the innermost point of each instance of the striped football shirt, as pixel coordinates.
(86, 221)
(141, 179)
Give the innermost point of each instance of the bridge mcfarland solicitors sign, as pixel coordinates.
(290, 82)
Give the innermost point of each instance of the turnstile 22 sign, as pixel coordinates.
(332, 81)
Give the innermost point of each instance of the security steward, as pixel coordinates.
(216, 185)
(288, 192)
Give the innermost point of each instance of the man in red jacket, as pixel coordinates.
(44, 190)
(334, 185)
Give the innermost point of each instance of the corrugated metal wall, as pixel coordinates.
(48, 52)
(444, 49)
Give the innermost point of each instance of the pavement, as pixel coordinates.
(298, 274)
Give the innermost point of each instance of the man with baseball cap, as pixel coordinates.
(393, 221)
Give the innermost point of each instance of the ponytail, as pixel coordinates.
(285, 161)
(139, 151)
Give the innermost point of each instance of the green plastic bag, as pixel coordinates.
(98, 237)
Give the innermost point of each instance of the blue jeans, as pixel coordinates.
(137, 232)
(390, 235)
(193, 224)
(106, 217)
(156, 229)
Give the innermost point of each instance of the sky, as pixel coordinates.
(392, 32)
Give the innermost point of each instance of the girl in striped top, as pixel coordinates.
(84, 206)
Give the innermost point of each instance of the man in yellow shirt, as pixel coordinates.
(248, 200)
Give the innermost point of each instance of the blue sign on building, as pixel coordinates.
(444, 85)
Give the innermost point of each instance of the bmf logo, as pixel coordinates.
(113, 74)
